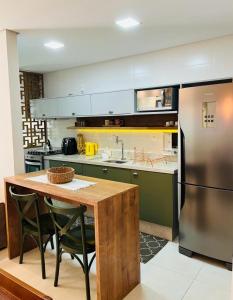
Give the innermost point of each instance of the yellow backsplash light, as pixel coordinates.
(123, 130)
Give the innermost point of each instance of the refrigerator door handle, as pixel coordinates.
(182, 156)
(182, 197)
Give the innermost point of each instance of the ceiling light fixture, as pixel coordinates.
(127, 23)
(54, 45)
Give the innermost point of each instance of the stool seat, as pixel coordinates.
(76, 246)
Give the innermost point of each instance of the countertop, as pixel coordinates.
(159, 167)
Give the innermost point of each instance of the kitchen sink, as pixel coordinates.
(114, 161)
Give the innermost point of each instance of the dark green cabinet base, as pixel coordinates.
(109, 173)
(158, 192)
(57, 163)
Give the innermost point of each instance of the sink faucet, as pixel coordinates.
(122, 146)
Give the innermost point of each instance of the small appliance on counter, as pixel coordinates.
(91, 148)
(69, 146)
(157, 99)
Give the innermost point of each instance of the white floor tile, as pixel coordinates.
(168, 276)
(199, 291)
(216, 276)
(143, 292)
(167, 284)
(170, 258)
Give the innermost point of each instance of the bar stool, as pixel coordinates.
(40, 228)
(73, 239)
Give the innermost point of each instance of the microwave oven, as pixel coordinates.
(157, 99)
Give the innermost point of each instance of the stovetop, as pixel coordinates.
(42, 152)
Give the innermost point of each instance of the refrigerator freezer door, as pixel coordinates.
(206, 122)
(206, 222)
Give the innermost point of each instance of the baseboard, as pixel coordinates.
(155, 229)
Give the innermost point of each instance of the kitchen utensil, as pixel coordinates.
(80, 143)
(106, 122)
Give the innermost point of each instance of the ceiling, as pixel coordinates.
(87, 28)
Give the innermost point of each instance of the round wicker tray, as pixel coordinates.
(59, 175)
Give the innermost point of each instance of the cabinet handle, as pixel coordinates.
(135, 174)
(73, 114)
(43, 115)
(64, 165)
(110, 112)
(105, 170)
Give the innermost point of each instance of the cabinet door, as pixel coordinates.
(156, 196)
(108, 173)
(57, 163)
(45, 108)
(75, 106)
(113, 103)
(37, 108)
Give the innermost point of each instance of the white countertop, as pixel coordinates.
(160, 167)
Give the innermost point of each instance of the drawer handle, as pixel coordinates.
(73, 114)
(64, 165)
(135, 174)
(105, 170)
(110, 112)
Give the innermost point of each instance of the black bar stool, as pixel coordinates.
(73, 239)
(40, 228)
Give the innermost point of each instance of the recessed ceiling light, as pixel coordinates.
(127, 23)
(54, 45)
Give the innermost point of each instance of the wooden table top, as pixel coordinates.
(92, 195)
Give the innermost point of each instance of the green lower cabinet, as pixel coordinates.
(115, 174)
(156, 196)
(57, 163)
(158, 200)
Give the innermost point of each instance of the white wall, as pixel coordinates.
(11, 149)
(201, 61)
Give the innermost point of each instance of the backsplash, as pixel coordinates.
(152, 144)
(57, 129)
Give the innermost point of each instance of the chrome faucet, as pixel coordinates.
(122, 146)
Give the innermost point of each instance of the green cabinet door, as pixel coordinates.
(156, 196)
(109, 173)
(57, 163)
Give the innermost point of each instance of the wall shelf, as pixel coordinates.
(126, 129)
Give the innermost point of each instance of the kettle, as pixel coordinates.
(91, 148)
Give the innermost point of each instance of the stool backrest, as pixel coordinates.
(24, 202)
(74, 214)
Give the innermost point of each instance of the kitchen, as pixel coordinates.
(123, 110)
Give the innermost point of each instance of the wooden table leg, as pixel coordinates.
(117, 245)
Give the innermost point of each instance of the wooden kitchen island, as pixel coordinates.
(116, 213)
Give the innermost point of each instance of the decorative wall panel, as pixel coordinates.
(34, 131)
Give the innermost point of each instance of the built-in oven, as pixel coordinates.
(33, 163)
(157, 99)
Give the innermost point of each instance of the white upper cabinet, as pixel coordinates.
(65, 107)
(113, 103)
(75, 106)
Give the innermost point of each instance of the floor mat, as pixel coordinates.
(150, 245)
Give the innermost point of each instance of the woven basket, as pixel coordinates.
(59, 175)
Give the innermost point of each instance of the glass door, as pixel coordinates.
(32, 166)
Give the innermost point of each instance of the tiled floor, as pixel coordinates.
(168, 276)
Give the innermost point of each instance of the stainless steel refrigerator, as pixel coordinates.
(206, 171)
